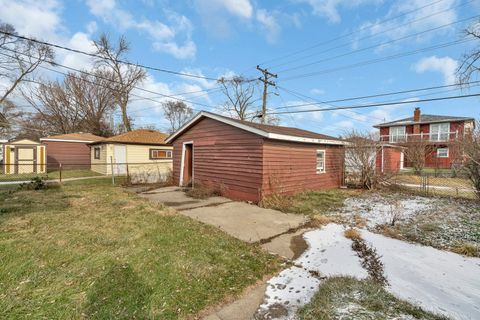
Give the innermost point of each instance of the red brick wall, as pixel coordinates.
(72, 155)
(290, 167)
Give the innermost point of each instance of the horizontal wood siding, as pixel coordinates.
(290, 167)
(224, 156)
(72, 155)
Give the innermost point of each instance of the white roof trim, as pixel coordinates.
(269, 135)
(66, 140)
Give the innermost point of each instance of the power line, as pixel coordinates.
(376, 45)
(350, 33)
(110, 80)
(94, 55)
(373, 61)
(374, 95)
(381, 104)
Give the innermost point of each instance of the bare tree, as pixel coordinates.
(360, 159)
(9, 114)
(126, 76)
(470, 149)
(470, 62)
(418, 148)
(18, 59)
(82, 102)
(177, 113)
(240, 94)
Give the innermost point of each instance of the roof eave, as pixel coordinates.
(268, 135)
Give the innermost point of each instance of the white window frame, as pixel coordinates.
(168, 153)
(437, 136)
(321, 170)
(395, 137)
(438, 153)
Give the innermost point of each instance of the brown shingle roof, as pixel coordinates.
(290, 131)
(140, 136)
(80, 136)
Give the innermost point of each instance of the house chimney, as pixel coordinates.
(416, 114)
(416, 118)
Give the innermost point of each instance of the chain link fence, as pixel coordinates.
(128, 173)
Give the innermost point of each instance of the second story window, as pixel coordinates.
(439, 131)
(397, 134)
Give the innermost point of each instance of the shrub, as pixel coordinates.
(36, 183)
(352, 234)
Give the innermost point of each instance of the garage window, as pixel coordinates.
(96, 153)
(160, 154)
(320, 161)
(442, 153)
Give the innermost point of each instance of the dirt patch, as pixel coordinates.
(275, 311)
(298, 245)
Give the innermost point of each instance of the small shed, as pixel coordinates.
(250, 161)
(23, 156)
(141, 153)
(71, 150)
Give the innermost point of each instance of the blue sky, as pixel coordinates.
(227, 37)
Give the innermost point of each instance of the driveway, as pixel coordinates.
(244, 221)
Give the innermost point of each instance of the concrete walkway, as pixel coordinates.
(244, 221)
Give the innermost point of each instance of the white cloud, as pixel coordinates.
(33, 18)
(317, 92)
(445, 65)
(165, 35)
(422, 17)
(330, 8)
(269, 24)
(239, 8)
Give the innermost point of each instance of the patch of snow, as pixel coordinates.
(377, 210)
(329, 254)
(438, 281)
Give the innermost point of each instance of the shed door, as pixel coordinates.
(187, 162)
(26, 158)
(120, 159)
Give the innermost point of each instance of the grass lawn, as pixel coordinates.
(349, 298)
(73, 173)
(90, 250)
(311, 203)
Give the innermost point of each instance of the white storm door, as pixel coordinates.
(120, 156)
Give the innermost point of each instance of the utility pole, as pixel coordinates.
(266, 82)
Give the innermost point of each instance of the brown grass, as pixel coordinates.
(204, 190)
(352, 234)
(319, 220)
(467, 249)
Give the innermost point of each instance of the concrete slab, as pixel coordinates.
(247, 222)
(289, 245)
(243, 308)
(174, 197)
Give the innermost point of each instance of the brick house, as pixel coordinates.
(438, 133)
(250, 161)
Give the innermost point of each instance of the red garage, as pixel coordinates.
(71, 150)
(249, 161)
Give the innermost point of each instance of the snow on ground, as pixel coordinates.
(377, 209)
(438, 281)
(329, 254)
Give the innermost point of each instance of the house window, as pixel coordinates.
(160, 154)
(320, 161)
(397, 134)
(439, 131)
(96, 153)
(442, 153)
